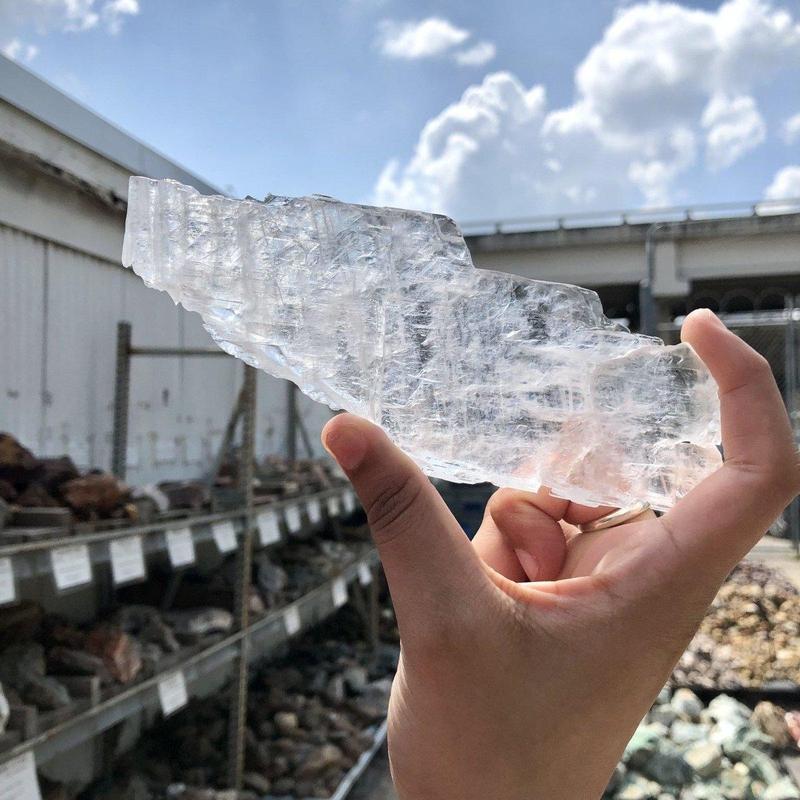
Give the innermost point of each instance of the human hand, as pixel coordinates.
(530, 655)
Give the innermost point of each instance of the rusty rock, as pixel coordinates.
(97, 493)
(120, 652)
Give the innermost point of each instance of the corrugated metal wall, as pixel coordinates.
(58, 317)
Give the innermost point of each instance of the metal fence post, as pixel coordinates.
(291, 421)
(122, 386)
(244, 556)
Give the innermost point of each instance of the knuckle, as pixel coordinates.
(391, 504)
(761, 366)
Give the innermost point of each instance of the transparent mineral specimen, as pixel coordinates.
(478, 375)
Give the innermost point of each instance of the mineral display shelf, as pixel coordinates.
(32, 559)
(351, 778)
(264, 637)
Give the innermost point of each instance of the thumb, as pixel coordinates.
(431, 567)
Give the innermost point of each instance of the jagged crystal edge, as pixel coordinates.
(477, 375)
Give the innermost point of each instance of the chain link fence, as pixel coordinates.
(774, 334)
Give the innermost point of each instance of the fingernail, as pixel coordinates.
(347, 445)
(715, 319)
(530, 565)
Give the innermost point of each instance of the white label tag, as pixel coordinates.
(8, 591)
(180, 546)
(339, 592)
(172, 693)
(291, 619)
(224, 535)
(314, 511)
(293, 522)
(18, 779)
(71, 566)
(333, 506)
(364, 574)
(348, 501)
(127, 559)
(268, 530)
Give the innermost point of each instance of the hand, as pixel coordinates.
(530, 655)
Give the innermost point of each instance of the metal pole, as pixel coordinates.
(238, 715)
(790, 392)
(648, 322)
(122, 387)
(291, 421)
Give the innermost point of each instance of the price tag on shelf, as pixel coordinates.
(293, 522)
(291, 619)
(314, 511)
(180, 546)
(127, 559)
(364, 574)
(224, 535)
(71, 566)
(333, 506)
(339, 592)
(18, 779)
(8, 590)
(172, 693)
(268, 530)
(348, 501)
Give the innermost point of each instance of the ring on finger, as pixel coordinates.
(618, 517)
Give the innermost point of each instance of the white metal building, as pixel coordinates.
(63, 185)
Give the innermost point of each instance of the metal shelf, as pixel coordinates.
(349, 780)
(356, 771)
(32, 559)
(264, 637)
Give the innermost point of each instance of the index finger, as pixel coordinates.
(727, 513)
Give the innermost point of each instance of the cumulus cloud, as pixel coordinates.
(477, 55)
(734, 127)
(67, 15)
(663, 80)
(427, 38)
(433, 37)
(791, 129)
(785, 186)
(17, 50)
(114, 12)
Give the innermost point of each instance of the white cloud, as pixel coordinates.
(67, 15)
(477, 55)
(785, 186)
(734, 127)
(115, 11)
(427, 38)
(17, 50)
(791, 129)
(662, 79)
(433, 37)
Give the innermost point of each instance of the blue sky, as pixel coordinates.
(567, 106)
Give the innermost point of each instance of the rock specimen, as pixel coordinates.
(31, 482)
(750, 636)
(478, 375)
(719, 752)
(299, 743)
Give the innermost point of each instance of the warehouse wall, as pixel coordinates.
(59, 310)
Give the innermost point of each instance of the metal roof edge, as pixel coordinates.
(41, 100)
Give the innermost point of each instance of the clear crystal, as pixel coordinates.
(477, 375)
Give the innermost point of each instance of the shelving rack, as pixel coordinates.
(250, 641)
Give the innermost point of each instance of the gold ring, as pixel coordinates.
(614, 518)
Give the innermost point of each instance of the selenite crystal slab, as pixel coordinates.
(477, 375)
